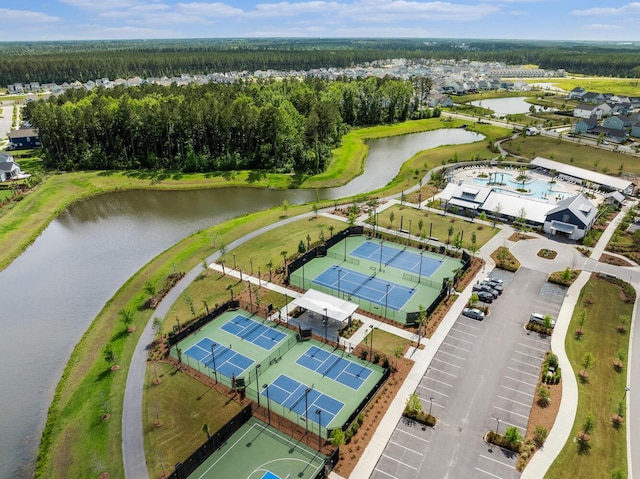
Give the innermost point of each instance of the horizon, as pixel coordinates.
(516, 20)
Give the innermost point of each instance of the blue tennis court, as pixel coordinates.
(227, 362)
(270, 475)
(246, 328)
(333, 366)
(351, 283)
(302, 399)
(398, 258)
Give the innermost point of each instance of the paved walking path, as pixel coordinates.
(133, 437)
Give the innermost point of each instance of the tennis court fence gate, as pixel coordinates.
(216, 440)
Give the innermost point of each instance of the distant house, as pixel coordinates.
(584, 110)
(585, 126)
(593, 97)
(23, 138)
(613, 134)
(531, 131)
(576, 93)
(9, 169)
(572, 217)
(614, 198)
(635, 129)
(438, 99)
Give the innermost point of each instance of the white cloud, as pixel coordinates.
(26, 16)
(213, 10)
(602, 27)
(96, 6)
(632, 8)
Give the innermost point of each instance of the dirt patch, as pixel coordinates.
(547, 253)
(615, 260)
(520, 236)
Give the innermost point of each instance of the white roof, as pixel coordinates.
(536, 210)
(598, 178)
(317, 301)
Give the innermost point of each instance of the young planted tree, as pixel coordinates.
(285, 207)
(587, 427)
(126, 317)
(582, 319)
(337, 438)
(544, 396)
(392, 217)
(397, 352)
(540, 435)
(586, 363)
(283, 253)
(513, 436)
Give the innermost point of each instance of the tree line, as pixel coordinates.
(280, 126)
(69, 61)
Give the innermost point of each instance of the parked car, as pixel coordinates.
(473, 313)
(492, 279)
(497, 286)
(485, 296)
(538, 318)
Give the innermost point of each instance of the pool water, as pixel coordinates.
(539, 189)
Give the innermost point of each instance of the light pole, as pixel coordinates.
(258, 383)
(371, 343)
(326, 324)
(380, 255)
(306, 412)
(498, 426)
(430, 405)
(213, 362)
(420, 270)
(319, 413)
(339, 272)
(178, 322)
(266, 388)
(386, 301)
(286, 307)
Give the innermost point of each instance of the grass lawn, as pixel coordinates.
(184, 405)
(386, 343)
(617, 86)
(575, 154)
(440, 223)
(604, 389)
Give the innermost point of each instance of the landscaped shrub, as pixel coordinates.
(539, 328)
(501, 441)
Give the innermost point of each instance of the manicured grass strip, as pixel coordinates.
(183, 405)
(386, 343)
(604, 389)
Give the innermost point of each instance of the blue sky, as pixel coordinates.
(126, 19)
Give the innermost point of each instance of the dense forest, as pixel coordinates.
(284, 126)
(69, 61)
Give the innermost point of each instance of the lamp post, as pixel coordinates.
(420, 270)
(498, 426)
(306, 412)
(258, 383)
(326, 324)
(380, 269)
(339, 272)
(178, 322)
(266, 388)
(386, 301)
(213, 362)
(371, 343)
(430, 405)
(319, 413)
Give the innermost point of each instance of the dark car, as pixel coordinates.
(485, 296)
(473, 313)
(478, 288)
(497, 286)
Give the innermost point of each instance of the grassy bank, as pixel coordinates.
(619, 86)
(602, 393)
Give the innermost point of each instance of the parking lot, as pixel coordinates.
(483, 377)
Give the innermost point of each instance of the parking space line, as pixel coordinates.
(461, 340)
(542, 350)
(525, 363)
(517, 390)
(522, 372)
(463, 332)
(518, 380)
(513, 400)
(413, 435)
(441, 382)
(443, 372)
(499, 462)
(432, 390)
(469, 325)
(426, 401)
(405, 447)
(539, 358)
(385, 473)
(448, 364)
(546, 343)
(524, 429)
(399, 462)
(526, 416)
(457, 347)
(452, 355)
(488, 473)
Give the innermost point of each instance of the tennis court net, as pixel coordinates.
(326, 371)
(361, 285)
(395, 256)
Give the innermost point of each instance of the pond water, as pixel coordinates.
(506, 106)
(56, 288)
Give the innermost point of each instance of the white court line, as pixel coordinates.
(542, 350)
(452, 355)
(517, 390)
(433, 390)
(443, 372)
(448, 364)
(405, 447)
(441, 382)
(499, 462)
(413, 435)
(487, 473)
(456, 347)
(399, 462)
(518, 380)
(513, 400)
(461, 340)
(522, 372)
(509, 411)
(385, 473)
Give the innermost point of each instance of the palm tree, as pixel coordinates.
(205, 429)
(283, 253)
(331, 231)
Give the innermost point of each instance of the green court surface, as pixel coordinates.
(258, 451)
(294, 379)
(359, 254)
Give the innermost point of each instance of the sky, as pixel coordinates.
(146, 19)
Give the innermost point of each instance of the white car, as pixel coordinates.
(474, 313)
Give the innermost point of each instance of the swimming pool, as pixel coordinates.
(540, 189)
